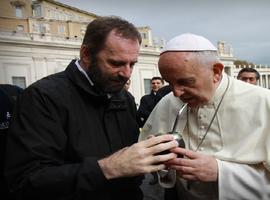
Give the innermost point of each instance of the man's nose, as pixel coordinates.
(126, 71)
(177, 92)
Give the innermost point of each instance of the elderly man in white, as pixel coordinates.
(225, 127)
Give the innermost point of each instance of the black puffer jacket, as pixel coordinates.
(61, 127)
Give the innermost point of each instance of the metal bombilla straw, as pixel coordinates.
(175, 134)
(167, 177)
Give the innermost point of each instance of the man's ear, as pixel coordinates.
(85, 57)
(217, 70)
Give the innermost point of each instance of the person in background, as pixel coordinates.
(163, 91)
(8, 96)
(74, 133)
(225, 126)
(249, 75)
(127, 85)
(149, 101)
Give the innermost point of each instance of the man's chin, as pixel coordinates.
(187, 100)
(192, 103)
(195, 104)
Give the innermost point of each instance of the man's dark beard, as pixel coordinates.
(102, 84)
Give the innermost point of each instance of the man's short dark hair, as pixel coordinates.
(98, 30)
(157, 78)
(247, 69)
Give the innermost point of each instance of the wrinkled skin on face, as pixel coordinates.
(189, 78)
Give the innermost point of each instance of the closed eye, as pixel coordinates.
(186, 82)
(117, 64)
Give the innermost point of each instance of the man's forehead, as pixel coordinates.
(114, 37)
(175, 58)
(122, 46)
(248, 74)
(122, 51)
(156, 80)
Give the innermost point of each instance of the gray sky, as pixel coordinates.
(243, 24)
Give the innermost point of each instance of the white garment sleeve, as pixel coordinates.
(241, 181)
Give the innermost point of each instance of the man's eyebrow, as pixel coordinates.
(113, 61)
(187, 80)
(119, 62)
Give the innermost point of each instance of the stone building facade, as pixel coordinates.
(39, 38)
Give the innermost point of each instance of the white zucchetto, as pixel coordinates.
(189, 42)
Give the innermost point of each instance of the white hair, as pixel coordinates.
(207, 58)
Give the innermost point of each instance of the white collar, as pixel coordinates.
(83, 72)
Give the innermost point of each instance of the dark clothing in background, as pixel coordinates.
(147, 104)
(163, 92)
(8, 95)
(132, 97)
(62, 126)
(170, 194)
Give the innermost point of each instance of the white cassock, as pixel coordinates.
(239, 139)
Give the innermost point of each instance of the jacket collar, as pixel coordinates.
(116, 101)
